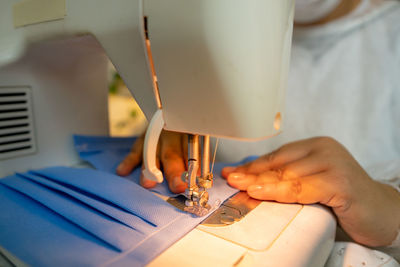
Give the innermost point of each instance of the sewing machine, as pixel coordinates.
(206, 68)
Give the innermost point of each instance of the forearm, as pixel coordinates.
(373, 218)
(387, 174)
(393, 210)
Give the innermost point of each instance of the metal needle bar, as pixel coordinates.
(205, 157)
(193, 151)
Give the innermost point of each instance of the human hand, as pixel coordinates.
(320, 170)
(171, 156)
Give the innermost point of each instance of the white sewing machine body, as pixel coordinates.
(272, 234)
(53, 83)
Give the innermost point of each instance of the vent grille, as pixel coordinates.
(16, 123)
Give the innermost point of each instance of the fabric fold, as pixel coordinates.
(113, 189)
(105, 154)
(131, 220)
(80, 216)
(40, 237)
(114, 234)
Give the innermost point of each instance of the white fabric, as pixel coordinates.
(344, 82)
(313, 10)
(351, 254)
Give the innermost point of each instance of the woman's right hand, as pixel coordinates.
(171, 157)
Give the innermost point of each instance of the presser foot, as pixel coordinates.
(197, 201)
(231, 211)
(197, 196)
(199, 211)
(179, 202)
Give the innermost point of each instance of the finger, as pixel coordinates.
(254, 167)
(226, 171)
(285, 154)
(172, 160)
(306, 190)
(241, 181)
(133, 159)
(309, 165)
(146, 183)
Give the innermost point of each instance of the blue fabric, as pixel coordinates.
(113, 234)
(118, 191)
(129, 219)
(105, 154)
(40, 237)
(63, 216)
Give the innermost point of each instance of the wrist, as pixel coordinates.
(392, 207)
(373, 218)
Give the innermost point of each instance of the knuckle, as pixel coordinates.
(245, 167)
(325, 140)
(326, 146)
(283, 148)
(267, 160)
(279, 174)
(287, 173)
(270, 157)
(295, 188)
(284, 174)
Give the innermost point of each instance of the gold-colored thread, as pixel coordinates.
(151, 64)
(240, 259)
(215, 153)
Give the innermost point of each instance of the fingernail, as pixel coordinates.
(146, 183)
(236, 176)
(149, 184)
(254, 189)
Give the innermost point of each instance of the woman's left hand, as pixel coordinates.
(320, 170)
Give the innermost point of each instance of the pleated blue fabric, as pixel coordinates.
(62, 216)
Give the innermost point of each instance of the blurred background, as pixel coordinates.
(124, 115)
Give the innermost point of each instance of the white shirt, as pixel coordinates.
(344, 82)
